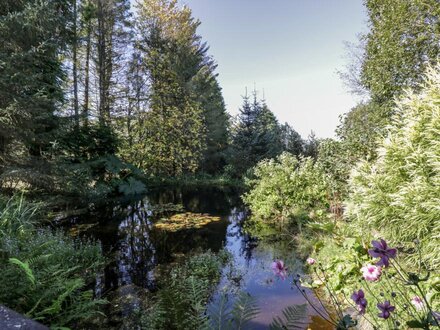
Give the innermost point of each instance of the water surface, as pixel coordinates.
(139, 252)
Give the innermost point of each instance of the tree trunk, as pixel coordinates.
(75, 64)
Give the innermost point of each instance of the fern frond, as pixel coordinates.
(294, 318)
(244, 310)
(25, 267)
(219, 313)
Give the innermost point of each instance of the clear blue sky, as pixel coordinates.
(290, 48)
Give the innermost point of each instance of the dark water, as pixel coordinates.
(138, 251)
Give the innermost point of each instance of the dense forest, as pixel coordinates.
(102, 100)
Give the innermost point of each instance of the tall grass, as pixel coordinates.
(17, 217)
(398, 195)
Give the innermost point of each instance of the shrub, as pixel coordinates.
(286, 187)
(398, 194)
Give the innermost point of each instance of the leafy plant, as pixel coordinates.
(286, 188)
(224, 316)
(45, 274)
(294, 318)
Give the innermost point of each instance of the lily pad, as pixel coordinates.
(186, 220)
(76, 230)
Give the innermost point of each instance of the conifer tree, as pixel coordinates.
(174, 127)
(33, 36)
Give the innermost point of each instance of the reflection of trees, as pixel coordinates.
(139, 248)
(235, 230)
(136, 252)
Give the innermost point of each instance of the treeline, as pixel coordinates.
(92, 91)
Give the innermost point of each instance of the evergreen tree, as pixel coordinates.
(243, 156)
(174, 127)
(257, 135)
(268, 144)
(33, 35)
(291, 140)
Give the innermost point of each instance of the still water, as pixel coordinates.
(139, 252)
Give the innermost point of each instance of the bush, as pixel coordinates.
(286, 187)
(44, 274)
(398, 194)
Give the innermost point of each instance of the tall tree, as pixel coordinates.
(174, 124)
(33, 36)
(112, 39)
(404, 39)
(256, 136)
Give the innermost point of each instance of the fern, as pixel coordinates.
(219, 314)
(222, 316)
(294, 318)
(244, 310)
(25, 267)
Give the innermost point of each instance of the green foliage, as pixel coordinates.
(32, 33)
(256, 136)
(332, 160)
(181, 300)
(397, 195)
(224, 316)
(402, 43)
(16, 216)
(44, 273)
(174, 129)
(286, 187)
(361, 129)
(294, 317)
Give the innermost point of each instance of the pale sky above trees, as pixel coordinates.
(290, 48)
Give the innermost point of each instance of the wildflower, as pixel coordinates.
(371, 272)
(385, 309)
(381, 250)
(360, 301)
(311, 261)
(279, 269)
(417, 302)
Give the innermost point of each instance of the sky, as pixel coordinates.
(291, 49)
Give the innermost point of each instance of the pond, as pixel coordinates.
(139, 251)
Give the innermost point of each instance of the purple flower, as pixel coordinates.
(311, 261)
(385, 309)
(371, 272)
(417, 302)
(279, 269)
(381, 250)
(360, 301)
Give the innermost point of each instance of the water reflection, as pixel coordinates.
(139, 250)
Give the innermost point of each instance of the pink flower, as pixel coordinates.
(311, 261)
(417, 302)
(279, 269)
(371, 272)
